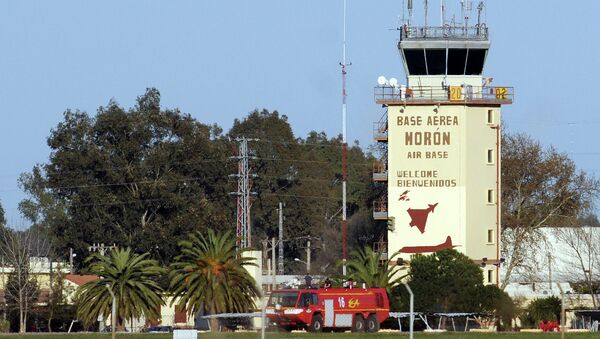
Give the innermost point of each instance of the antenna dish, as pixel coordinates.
(393, 82)
(381, 80)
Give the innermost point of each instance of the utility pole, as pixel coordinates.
(71, 256)
(101, 248)
(308, 256)
(280, 262)
(244, 193)
(273, 262)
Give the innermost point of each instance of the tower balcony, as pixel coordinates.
(380, 172)
(380, 131)
(472, 33)
(381, 248)
(448, 95)
(380, 209)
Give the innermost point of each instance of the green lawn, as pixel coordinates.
(457, 335)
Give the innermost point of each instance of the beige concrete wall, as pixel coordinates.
(439, 155)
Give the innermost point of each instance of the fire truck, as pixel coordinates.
(329, 309)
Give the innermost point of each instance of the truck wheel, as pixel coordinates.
(358, 325)
(316, 324)
(372, 325)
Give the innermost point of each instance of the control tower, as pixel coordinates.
(442, 130)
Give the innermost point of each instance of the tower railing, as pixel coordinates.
(380, 172)
(477, 32)
(444, 94)
(380, 209)
(380, 130)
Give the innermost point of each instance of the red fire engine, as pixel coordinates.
(357, 309)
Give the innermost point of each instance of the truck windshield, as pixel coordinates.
(285, 299)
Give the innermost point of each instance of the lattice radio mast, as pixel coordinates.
(244, 192)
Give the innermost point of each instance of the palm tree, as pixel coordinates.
(133, 279)
(366, 266)
(209, 275)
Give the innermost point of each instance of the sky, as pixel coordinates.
(219, 60)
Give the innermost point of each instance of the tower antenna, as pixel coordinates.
(426, 11)
(403, 13)
(410, 12)
(443, 12)
(479, 10)
(344, 64)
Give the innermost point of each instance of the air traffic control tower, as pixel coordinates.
(442, 130)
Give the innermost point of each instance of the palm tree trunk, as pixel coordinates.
(120, 324)
(214, 322)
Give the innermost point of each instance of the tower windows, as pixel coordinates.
(490, 156)
(490, 196)
(490, 236)
(490, 117)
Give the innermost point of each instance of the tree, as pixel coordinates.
(366, 266)
(305, 174)
(57, 297)
(2, 218)
(445, 281)
(493, 300)
(209, 275)
(582, 258)
(540, 187)
(17, 248)
(141, 178)
(132, 278)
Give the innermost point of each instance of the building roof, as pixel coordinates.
(80, 279)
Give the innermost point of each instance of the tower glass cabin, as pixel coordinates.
(442, 130)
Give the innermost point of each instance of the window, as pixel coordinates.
(415, 60)
(490, 156)
(490, 196)
(490, 236)
(475, 61)
(436, 61)
(490, 116)
(285, 299)
(307, 299)
(490, 276)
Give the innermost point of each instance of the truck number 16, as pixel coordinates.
(342, 302)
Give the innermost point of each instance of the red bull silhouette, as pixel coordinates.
(419, 217)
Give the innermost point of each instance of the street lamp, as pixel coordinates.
(304, 262)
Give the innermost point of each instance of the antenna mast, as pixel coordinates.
(426, 12)
(344, 150)
(410, 12)
(479, 10)
(443, 10)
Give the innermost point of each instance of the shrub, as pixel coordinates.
(541, 309)
(4, 326)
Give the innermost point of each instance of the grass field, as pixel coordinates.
(420, 335)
